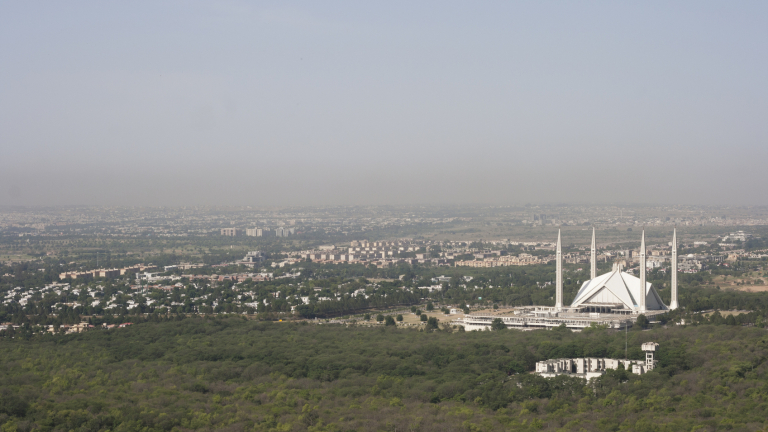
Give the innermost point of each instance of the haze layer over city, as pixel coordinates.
(335, 103)
(341, 216)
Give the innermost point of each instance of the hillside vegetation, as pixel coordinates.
(234, 374)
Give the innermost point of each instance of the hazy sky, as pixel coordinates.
(321, 102)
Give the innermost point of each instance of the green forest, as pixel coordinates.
(233, 374)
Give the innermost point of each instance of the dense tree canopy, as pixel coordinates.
(234, 374)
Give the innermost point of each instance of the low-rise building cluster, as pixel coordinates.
(507, 260)
(259, 232)
(105, 273)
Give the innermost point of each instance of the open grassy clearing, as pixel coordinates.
(755, 281)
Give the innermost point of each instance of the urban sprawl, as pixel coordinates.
(363, 266)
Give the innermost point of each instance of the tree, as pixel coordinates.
(390, 321)
(430, 306)
(642, 321)
(367, 317)
(432, 324)
(731, 320)
(12, 405)
(716, 318)
(379, 317)
(498, 324)
(760, 322)
(423, 317)
(399, 317)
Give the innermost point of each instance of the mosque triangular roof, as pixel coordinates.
(617, 287)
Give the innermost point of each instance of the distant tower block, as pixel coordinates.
(650, 348)
(593, 258)
(673, 304)
(559, 275)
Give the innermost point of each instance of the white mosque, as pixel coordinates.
(619, 291)
(614, 299)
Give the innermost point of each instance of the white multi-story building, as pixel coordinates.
(589, 368)
(259, 232)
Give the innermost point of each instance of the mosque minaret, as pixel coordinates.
(643, 295)
(559, 276)
(673, 304)
(593, 258)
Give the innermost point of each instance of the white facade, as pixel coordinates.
(542, 317)
(589, 368)
(618, 290)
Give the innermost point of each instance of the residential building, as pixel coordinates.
(284, 232)
(252, 258)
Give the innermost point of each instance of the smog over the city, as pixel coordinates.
(347, 103)
(340, 216)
